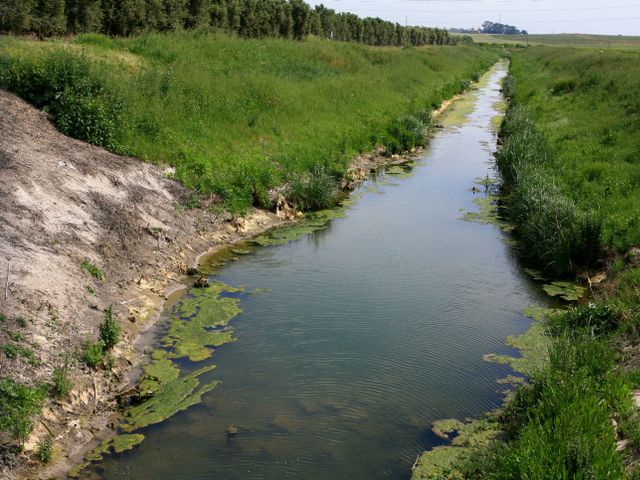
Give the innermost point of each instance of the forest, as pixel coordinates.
(247, 18)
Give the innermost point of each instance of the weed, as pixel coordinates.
(109, 329)
(44, 450)
(313, 191)
(92, 353)
(92, 269)
(62, 384)
(18, 404)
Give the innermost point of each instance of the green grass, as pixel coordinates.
(560, 40)
(574, 142)
(238, 117)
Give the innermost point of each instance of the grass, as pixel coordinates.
(94, 270)
(238, 117)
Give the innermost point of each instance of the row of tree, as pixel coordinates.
(247, 18)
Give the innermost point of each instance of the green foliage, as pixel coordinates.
(313, 191)
(62, 384)
(560, 422)
(109, 330)
(586, 105)
(92, 353)
(247, 18)
(554, 232)
(61, 82)
(92, 269)
(44, 449)
(18, 404)
(595, 318)
(238, 117)
(407, 132)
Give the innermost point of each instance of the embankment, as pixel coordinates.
(569, 162)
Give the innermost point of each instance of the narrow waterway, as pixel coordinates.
(367, 331)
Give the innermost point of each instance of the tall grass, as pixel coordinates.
(238, 117)
(555, 233)
(586, 104)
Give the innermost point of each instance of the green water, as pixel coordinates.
(368, 331)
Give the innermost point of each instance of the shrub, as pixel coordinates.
(61, 383)
(18, 404)
(44, 450)
(63, 84)
(109, 330)
(92, 353)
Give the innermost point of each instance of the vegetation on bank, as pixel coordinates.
(240, 117)
(571, 155)
(247, 18)
(569, 160)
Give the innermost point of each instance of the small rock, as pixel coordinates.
(232, 431)
(201, 282)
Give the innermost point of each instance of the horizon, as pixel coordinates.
(534, 16)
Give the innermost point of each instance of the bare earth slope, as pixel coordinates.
(63, 201)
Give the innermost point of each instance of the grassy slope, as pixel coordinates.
(237, 117)
(561, 40)
(561, 424)
(587, 103)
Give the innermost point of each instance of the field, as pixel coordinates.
(238, 117)
(560, 40)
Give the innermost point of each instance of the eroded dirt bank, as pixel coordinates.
(65, 202)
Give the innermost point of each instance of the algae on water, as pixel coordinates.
(174, 397)
(566, 290)
(447, 461)
(199, 321)
(312, 222)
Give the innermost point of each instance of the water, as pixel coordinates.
(370, 330)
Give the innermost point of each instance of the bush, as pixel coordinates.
(44, 450)
(61, 383)
(62, 83)
(18, 404)
(92, 353)
(109, 330)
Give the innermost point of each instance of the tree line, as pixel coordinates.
(247, 18)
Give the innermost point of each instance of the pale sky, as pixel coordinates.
(535, 16)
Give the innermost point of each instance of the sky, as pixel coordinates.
(614, 17)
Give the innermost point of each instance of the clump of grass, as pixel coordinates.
(110, 330)
(93, 353)
(313, 191)
(407, 132)
(94, 270)
(44, 450)
(62, 384)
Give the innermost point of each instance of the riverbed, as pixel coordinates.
(353, 339)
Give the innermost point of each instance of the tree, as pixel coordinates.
(300, 17)
(48, 18)
(15, 15)
(198, 13)
(83, 16)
